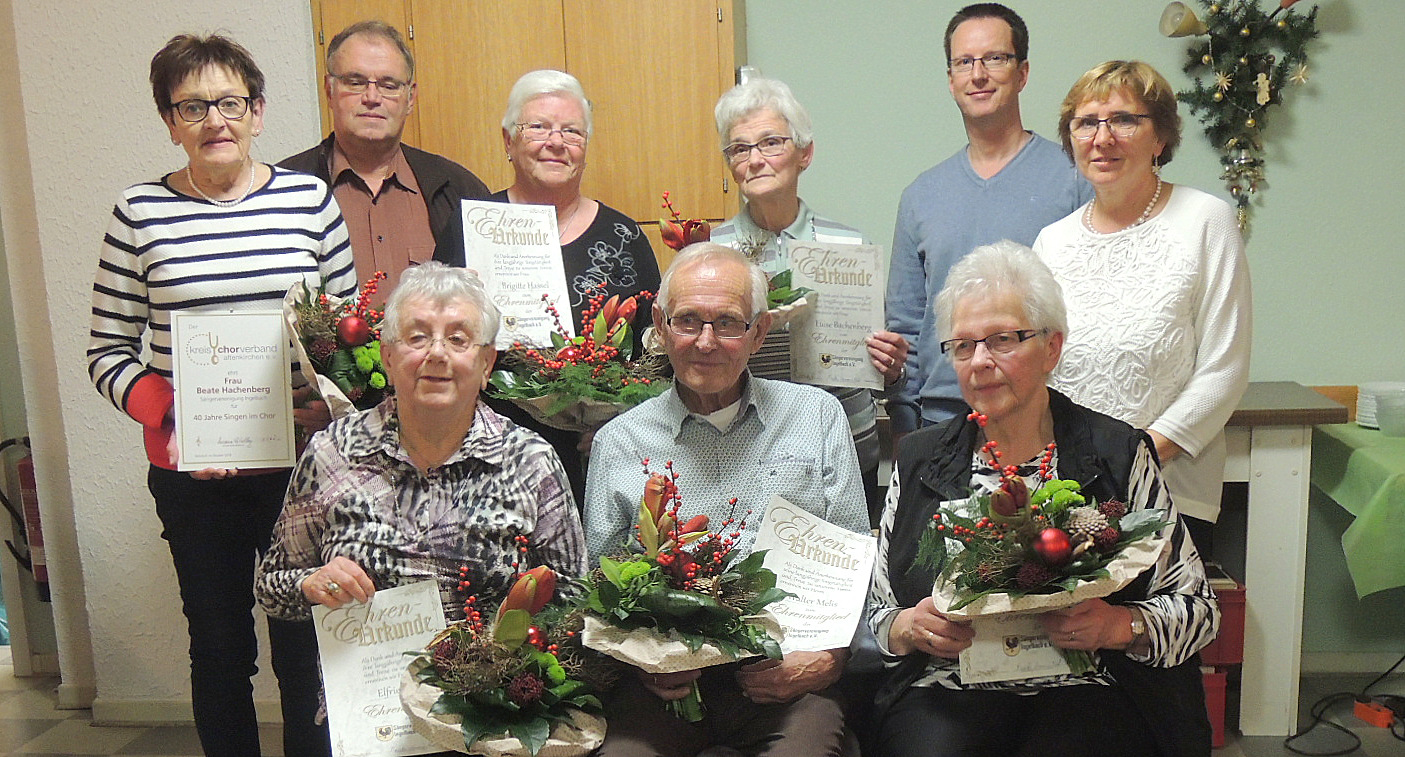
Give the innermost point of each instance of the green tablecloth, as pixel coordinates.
(1364, 472)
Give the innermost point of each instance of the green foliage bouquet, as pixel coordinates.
(515, 688)
(579, 383)
(338, 345)
(682, 603)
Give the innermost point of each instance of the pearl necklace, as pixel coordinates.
(1088, 214)
(253, 172)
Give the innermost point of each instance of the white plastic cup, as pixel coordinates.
(1390, 413)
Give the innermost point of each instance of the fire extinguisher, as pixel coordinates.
(32, 558)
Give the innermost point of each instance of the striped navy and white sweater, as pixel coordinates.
(165, 251)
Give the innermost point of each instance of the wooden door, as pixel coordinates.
(331, 16)
(654, 71)
(469, 56)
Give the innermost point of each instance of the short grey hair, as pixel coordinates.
(1004, 266)
(703, 252)
(545, 81)
(763, 94)
(374, 29)
(440, 285)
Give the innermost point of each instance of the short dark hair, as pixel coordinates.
(187, 54)
(377, 29)
(1019, 33)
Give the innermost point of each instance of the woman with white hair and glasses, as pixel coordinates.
(428, 482)
(1002, 320)
(545, 132)
(767, 142)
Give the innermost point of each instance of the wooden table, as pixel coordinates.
(1269, 441)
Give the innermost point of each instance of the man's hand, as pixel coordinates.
(668, 686)
(800, 673)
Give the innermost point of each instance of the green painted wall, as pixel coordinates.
(1326, 260)
(1325, 253)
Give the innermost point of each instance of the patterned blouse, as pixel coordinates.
(355, 493)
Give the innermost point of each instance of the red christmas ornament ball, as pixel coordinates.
(536, 638)
(1053, 547)
(353, 331)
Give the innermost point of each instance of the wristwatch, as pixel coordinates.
(1138, 626)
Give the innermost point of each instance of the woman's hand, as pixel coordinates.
(923, 629)
(1166, 450)
(1089, 625)
(888, 351)
(338, 583)
(668, 686)
(312, 414)
(204, 474)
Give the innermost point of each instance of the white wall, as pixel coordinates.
(79, 124)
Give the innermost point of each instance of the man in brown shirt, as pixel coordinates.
(396, 199)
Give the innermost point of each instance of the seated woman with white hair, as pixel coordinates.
(1002, 320)
(428, 482)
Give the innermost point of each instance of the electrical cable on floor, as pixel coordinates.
(1320, 707)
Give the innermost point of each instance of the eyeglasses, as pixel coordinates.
(725, 327)
(540, 132)
(770, 147)
(387, 87)
(457, 342)
(1122, 125)
(992, 62)
(999, 343)
(194, 110)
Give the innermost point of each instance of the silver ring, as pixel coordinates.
(1072, 635)
(333, 587)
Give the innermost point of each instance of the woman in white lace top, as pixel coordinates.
(1156, 283)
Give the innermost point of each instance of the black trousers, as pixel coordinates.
(216, 531)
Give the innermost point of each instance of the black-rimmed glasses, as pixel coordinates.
(769, 147)
(194, 110)
(1122, 125)
(725, 327)
(999, 343)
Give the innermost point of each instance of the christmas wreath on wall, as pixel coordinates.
(1239, 70)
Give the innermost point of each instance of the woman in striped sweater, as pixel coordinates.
(222, 233)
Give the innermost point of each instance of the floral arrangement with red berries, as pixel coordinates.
(681, 603)
(340, 339)
(1017, 542)
(578, 383)
(679, 232)
(522, 677)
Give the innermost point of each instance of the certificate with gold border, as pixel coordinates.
(233, 390)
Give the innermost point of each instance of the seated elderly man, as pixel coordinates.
(728, 434)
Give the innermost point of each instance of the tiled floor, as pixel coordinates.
(31, 727)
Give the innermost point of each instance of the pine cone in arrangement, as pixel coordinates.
(1105, 541)
(321, 350)
(525, 689)
(1033, 575)
(1113, 508)
(1084, 523)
